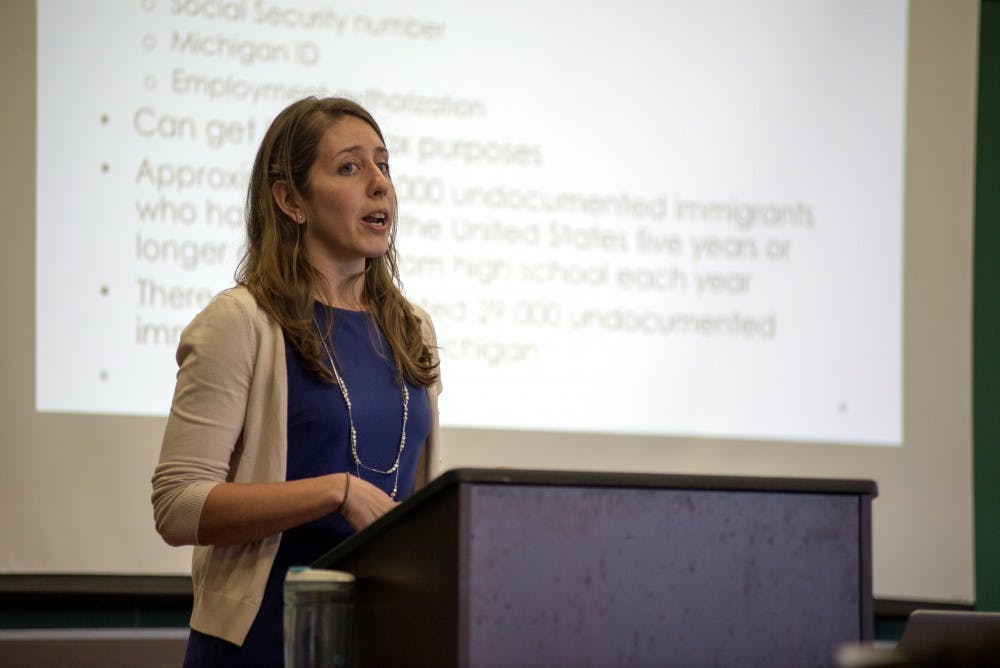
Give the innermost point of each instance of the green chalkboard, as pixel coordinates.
(986, 346)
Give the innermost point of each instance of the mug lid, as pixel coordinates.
(306, 574)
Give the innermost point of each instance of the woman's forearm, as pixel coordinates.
(244, 512)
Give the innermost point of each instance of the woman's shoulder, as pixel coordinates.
(232, 311)
(236, 301)
(426, 324)
(420, 312)
(237, 296)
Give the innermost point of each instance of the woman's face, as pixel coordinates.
(350, 207)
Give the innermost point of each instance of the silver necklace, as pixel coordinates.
(358, 464)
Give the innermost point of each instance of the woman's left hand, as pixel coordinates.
(364, 503)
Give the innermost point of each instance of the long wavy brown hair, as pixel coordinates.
(275, 269)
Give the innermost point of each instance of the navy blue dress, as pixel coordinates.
(318, 444)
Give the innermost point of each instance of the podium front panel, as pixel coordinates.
(632, 577)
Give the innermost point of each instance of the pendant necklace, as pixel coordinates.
(358, 464)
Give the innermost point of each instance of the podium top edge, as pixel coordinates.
(660, 480)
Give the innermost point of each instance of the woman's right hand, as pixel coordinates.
(364, 502)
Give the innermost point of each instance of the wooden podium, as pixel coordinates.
(543, 568)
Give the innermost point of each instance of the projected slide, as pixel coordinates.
(625, 218)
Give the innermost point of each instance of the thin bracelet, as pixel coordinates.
(347, 488)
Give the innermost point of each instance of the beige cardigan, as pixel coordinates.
(228, 422)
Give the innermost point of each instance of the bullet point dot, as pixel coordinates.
(104, 119)
(105, 167)
(149, 42)
(150, 82)
(103, 374)
(105, 291)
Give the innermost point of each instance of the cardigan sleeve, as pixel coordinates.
(203, 433)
